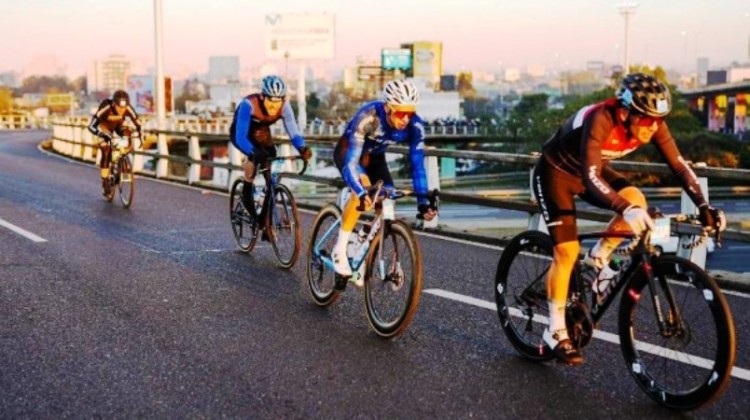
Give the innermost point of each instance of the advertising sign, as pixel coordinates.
(396, 58)
(428, 60)
(141, 91)
(296, 35)
(143, 95)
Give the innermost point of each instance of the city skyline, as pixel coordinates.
(476, 34)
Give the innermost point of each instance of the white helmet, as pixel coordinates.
(400, 92)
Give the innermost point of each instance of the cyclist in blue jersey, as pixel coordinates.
(360, 156)
(250, 131)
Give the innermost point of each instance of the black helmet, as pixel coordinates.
(645, 94)
(119, 96)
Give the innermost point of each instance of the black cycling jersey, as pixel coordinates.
(108, 120)
(592, 137)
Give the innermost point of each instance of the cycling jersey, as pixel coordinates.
(251, 125)
(369, 134)
(592, 137)
(108, 120)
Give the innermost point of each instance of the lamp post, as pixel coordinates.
(158, 38)
(627, 10)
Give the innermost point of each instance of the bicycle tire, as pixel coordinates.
(667, 367)
(244, 232)
(320, 279)
(387, 320)
(283, 223)
(126, 184)
(520, 293)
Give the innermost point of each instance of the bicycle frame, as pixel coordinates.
(271, 173)
(358, 259)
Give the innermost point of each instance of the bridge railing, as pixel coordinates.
(210, 160)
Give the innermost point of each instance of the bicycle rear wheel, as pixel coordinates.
(284, 227)
(688, 365)
(321, 278)
(521, 294)
(392, 296)
(126, 184)
(243, 224)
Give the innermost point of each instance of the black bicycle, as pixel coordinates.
(277, 219)
(385, 259)
(121, 176)
(675, 327)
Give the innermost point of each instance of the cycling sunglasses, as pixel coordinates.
(400, 114)
(646, 121)
(274, 99)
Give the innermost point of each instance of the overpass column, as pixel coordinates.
(194, 152)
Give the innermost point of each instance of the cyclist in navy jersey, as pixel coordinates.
(108, 120)
(250, 131)
(360, 156)
(574, 162)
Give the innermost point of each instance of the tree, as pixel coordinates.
(45, 84)
(464, 85)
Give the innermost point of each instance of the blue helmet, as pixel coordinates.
(273, 86)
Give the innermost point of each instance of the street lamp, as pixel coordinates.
(626, 10)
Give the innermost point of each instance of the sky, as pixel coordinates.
(476, 34)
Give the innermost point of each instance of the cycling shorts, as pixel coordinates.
(555, 192)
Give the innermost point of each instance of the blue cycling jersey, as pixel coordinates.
(369, 132)
(249, 115)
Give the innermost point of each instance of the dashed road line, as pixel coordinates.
(21, 231)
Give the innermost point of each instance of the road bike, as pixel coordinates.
(675, 327)
(385, 259)
(121, 176)
(275, 220)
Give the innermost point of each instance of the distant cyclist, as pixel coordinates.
(108, 120)
(251, 131)
(360, 156)
(575, 163)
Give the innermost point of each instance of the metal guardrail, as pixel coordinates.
(83, 141)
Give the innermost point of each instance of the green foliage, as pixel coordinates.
(46, 84)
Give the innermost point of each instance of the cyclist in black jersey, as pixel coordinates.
(575, 161)
(109, 119)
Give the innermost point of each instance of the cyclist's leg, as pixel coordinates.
(125, 133)
(247, 187)
(555, 192)
(601, 251)
(262, 156)
(106, 151)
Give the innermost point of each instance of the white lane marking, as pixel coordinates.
(737, 372)
(23, 232)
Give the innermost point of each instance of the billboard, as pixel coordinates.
(428, 60)
(141, 91)
(395, 58)
(143, 95)
(296, 35)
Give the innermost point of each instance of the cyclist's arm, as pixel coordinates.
(364, 123)
(290, 125)
(416, 154)
(98, 117)
(594, 133)
(242, 127)
(667, 147)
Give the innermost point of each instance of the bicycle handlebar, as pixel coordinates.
(304, 163)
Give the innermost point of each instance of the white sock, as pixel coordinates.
(600, 252)
(557, 316)
(341, 242)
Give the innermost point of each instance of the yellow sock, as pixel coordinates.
(105, 172)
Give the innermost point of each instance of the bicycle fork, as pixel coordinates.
(672, 326)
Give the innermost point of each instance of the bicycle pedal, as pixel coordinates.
(340, 282)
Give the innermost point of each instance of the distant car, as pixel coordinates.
(670, 246)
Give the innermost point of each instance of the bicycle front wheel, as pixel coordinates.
(393, 280)
(126, 186)
(284, 227)
(321, 278)
(687, 363)
(243, 224)
(521, 294)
